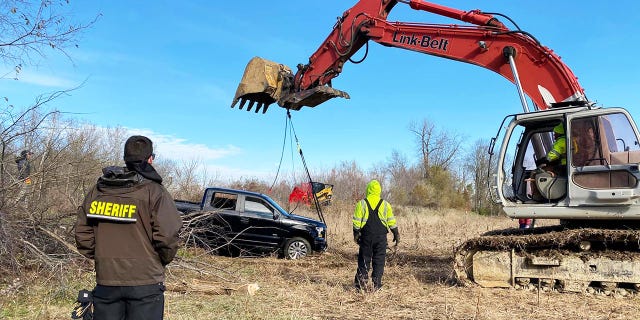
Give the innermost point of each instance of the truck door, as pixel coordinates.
(261, 227)
(223, 224)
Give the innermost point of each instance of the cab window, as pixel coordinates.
(603, 140)
(257, 206)
(224, 201)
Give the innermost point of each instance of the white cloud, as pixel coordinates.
(181, 150)
(46, 80)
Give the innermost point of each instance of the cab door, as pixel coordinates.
(603, 154)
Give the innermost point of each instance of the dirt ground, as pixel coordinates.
(418, 282)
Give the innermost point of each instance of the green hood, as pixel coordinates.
(373, 192)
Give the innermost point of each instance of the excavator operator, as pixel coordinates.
(550, 167)
(556, 158)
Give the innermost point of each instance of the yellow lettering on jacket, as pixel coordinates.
(132, 210)
(125, 210)
(111, 209)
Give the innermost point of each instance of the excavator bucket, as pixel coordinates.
(265, 82)
(262, 84)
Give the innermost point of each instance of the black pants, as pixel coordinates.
(372, 253)
(134, 302)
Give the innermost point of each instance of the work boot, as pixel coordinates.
(377, 283)
(360, 283)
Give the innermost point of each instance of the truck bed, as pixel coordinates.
(187, 206)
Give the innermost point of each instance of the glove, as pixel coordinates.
(396, 236)
(356, 235)
(542, 162)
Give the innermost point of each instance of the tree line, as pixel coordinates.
(69, 156)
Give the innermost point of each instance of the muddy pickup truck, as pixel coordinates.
(249, 223)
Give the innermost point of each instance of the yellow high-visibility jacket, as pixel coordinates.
(385, 212)
(558, 151)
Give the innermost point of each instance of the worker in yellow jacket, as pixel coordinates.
(556, 158)
(372, 220)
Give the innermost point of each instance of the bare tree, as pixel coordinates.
(67, 162)
(436, 148)
(186, 180)
(349, 181)
(31, 27)
(438, 152)
(18, 130)
(403, 178)
(478, 164)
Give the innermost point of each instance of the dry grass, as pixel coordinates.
(417, 282)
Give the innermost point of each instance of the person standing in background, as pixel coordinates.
(24, 166)
(23, 161)
(372, 220)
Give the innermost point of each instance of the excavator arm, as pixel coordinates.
(487, 42)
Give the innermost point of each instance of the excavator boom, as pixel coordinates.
(486, 42)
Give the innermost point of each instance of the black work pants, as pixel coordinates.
(130, 302)
(372, 253)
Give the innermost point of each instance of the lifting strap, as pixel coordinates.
(289, 123)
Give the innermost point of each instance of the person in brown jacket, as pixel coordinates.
(128, 224)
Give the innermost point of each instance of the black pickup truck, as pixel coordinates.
(243, 221)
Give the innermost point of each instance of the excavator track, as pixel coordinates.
(591, 260)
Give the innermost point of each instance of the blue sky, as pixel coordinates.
(170, 69)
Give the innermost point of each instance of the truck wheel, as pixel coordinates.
(296, 248)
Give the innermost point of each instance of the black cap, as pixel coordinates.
(24, 153)
(137, 148)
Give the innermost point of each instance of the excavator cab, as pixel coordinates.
(594, 193)
(598, 180)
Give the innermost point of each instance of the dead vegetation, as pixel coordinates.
(417, 283)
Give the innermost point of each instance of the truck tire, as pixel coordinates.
(296, 248)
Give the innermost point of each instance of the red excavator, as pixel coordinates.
(595, 194)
